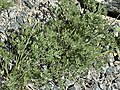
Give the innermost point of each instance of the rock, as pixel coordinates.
(28, 4)
(30, 86)
(113, 7)
(19, 20)
(55, 88)
(109, 70)
(69, 84)
(118, 85)
(15, 26)
(102, 86)
(77, 86)
(96, 87)
(71, 87)
(110, 59)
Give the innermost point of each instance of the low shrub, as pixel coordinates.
(62, 47)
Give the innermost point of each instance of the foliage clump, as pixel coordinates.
(5, 4)
(64, 46)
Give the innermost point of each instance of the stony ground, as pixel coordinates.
(106, 79)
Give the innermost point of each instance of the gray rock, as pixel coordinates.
(71, 87)
(102, 86)
(19, 20)
(28, 4)
(77, 86)
(118, 85)
(2, 80)
(109, 70)
(96, 87)
(56, 88)
(69, 83)
(112, 5)
(14, 26)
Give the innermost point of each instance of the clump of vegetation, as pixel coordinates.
(5, 4)
(66, 45)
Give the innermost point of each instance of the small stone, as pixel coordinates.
(19, 20)
(28, 4)
(96, 87)
(118, 85)
(56, 88)
(71, 87)
(109, 70)
(69, 84)
(77, 86)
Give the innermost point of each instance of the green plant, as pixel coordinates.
(5, 4)
(64, 46)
